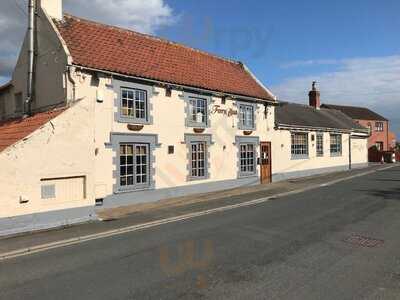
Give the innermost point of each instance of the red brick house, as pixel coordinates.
(378, 125)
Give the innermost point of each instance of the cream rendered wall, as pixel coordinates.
(359, 151)
(282, 158)
(61, 148)
(169, 124)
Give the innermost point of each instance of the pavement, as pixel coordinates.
(119, 219)
(335, 241)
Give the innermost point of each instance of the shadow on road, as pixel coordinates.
(389, 194)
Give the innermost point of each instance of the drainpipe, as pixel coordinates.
(31, 54)
(71, 79)
(350, 166)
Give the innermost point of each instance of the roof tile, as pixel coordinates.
(109, 48)
(12, 131)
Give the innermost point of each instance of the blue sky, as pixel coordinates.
(352, 48)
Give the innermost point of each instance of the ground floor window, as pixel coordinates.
(336, 144)
(198, 159)
(134, 165)
(320, 144)
(379, 146)
(299, 147)
(247, 159)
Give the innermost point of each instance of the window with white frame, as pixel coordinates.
(320, 144)
(198, 111)
(246, 116)
(247, 159)
(336, 144)
(299, 147)
(198, 163)
(134, 165)
(134, 104)
(379, 126)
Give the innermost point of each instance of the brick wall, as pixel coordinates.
(377, 136)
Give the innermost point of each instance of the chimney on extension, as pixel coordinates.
(53, 8)
(314, 96)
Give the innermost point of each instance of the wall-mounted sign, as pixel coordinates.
(228, 112)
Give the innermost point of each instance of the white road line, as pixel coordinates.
(119, 231)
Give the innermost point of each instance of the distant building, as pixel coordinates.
(378, 125)
(392, 140)
(315, 140)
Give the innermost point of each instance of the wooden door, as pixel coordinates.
(265, 162)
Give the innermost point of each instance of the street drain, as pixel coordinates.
(363, 241)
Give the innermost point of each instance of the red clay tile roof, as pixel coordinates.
(356, 113)
(12, 131)
(126, 52)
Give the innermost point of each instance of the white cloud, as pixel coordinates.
(371, 82)
(306, 63)
(145, 16)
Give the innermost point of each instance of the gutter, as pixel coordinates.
(180, 86)
(311, 128)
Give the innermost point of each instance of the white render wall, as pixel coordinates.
(285, 163)
(61, 148)
(168, 114)
(359, 151)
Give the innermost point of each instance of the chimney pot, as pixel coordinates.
(314, 96)
(53, 8)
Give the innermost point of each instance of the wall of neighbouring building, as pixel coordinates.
(377, 136)
(359, 151)
(284, 167)
(50, 67)
(57, 158)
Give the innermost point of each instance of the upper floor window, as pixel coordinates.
(299, 148)
(134, 104)
(379, 126)
(2, 108)
(246, 117)
(320, 144)
(198, 111)
(336, 144)
(19, 103)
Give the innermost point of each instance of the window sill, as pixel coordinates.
(247, 128)
(302, 157)
(133, 121)
(133, 189)
(197, 125)
(189, 179)
(336, 154)
(240, 176)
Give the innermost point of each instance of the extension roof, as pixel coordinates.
(298, 115)
(12, 131)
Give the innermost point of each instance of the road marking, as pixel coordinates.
(119, 231)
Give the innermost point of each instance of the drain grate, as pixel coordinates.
(363, 241)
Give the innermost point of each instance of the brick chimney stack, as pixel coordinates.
(314, 96)
(54, 8)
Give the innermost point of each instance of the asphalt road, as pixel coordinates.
(337, 242)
